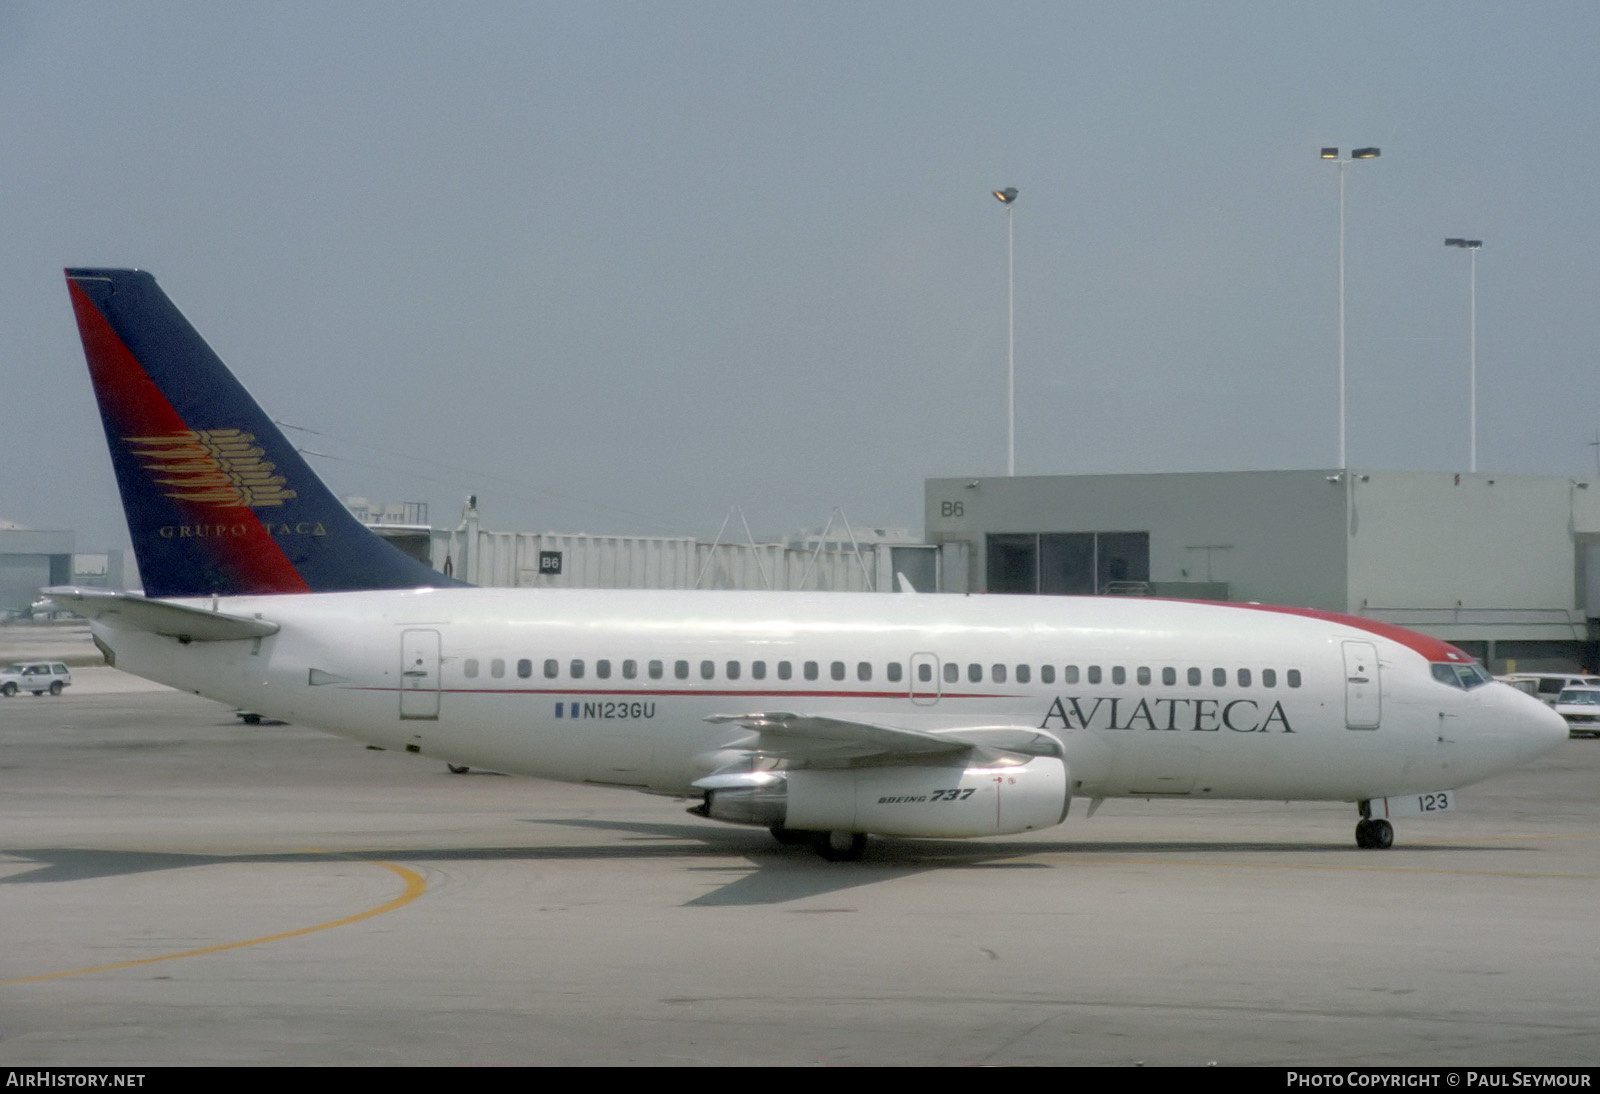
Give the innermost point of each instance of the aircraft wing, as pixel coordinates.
(805, 738)
(160, 616)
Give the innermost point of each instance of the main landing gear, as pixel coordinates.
(833, 846)
(1374, 834)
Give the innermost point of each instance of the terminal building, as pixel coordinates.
(1505, 566)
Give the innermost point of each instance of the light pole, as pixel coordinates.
(1008, 197)
(1471, 247)
(1333, 154)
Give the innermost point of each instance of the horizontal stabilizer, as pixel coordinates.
(160, 616)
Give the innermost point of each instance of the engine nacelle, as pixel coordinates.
(940, 801)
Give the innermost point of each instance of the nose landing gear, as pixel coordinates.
(1374, 834)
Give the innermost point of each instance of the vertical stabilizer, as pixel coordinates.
(217, 500)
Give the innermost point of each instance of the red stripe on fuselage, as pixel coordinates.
(135, 407)
(1433, 649)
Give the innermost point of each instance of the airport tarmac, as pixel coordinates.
(178, 888)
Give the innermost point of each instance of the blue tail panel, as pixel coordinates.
(217, 500)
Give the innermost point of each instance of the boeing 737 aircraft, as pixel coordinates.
(821, 716)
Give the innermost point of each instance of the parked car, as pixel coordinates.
(35, 676)
(1548, 686)
(1581, 708)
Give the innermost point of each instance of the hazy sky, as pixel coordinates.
(618, 267)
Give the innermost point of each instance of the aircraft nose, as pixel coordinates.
(1542, 728)
(1552, 727)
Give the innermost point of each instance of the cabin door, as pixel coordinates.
(419, 675)
(1363, 697)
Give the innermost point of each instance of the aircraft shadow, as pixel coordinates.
(759, 871)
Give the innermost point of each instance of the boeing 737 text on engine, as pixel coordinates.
(821, 716)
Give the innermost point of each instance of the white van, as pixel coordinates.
(1548, 686)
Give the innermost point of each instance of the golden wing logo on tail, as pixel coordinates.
(221, 467)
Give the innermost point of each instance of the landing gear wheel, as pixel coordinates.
(1374, 835)
(791, 837)
(1382, 834)
(458, 769)
(55, 687)
(840, 846)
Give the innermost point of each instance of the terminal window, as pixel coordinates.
(1066, 563)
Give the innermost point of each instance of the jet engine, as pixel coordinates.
(939, 801)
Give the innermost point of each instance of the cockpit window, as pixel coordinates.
(1461, 676)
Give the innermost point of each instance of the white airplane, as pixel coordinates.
(822, 717)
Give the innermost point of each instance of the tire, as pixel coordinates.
(1381, 834)
(840, 846)
(8, 690)
(55, 687)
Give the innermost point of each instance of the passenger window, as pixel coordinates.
(1219, 678)
(999, 672)
(1069, 675)
(708, 670)
(576, 669)
(551, 669)
(1292, 677)
(836, 670)
(733, 670)
(680, 669)
(1023, 674)
(524, 668)
(1094, 674)
(810, 670)
(1194, 678)
(1269, 678)
(785, 670)
(975, 674)
(893, 672)
(1144, 675)
(925, 673)
(602, 669)
(657, 670)
(864, 670)
(1169, 676)
(1119, 675)
(497, 668)
(758, 670)
(630, 669)
(1047, 674)
(1244, 678)
(952, 672)
(470, 668)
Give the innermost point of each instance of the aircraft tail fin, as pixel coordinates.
(218, 501)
